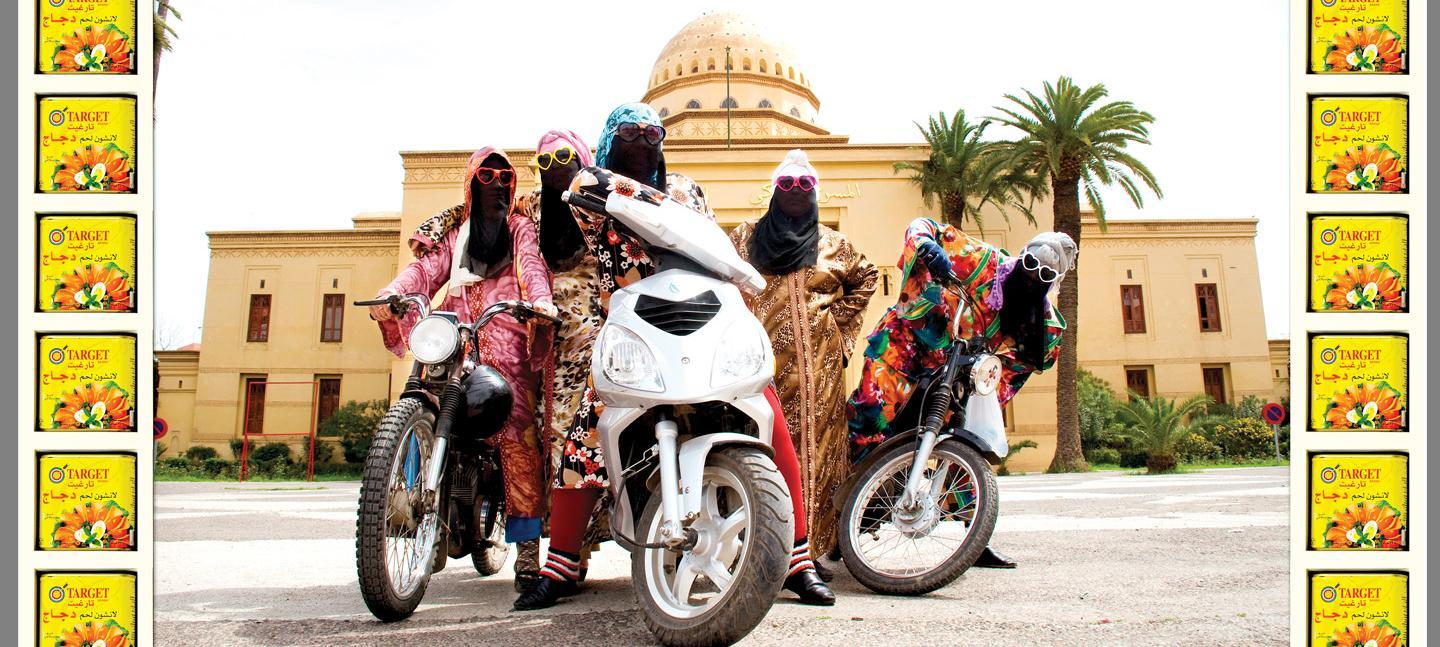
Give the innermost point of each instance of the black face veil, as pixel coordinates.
(489, 209)
(783, 243)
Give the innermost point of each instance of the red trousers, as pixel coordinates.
(570, 507)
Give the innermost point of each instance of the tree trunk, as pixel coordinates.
(1068, 455)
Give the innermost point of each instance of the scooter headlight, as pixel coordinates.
(434, 339)
(628, 361)
(741, 354)
(985, 374)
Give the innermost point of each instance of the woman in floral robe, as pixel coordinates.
(817, 286)
(488, 254)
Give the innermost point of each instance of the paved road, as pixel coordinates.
(1194, 558)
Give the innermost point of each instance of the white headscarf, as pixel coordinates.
(796, 163)
(1054, 250)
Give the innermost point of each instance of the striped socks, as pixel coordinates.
(562, 566)
(800, 558)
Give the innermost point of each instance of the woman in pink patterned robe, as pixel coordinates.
(491, 255)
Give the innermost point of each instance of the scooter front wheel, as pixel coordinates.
(718, 590)
(897, 548)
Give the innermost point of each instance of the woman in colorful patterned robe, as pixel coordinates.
(817, 286)
(488, 254)
(630, 147)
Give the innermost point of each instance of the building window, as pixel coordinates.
(258, 329)
(795, 112)
(745, 64)
(1137, 381)
(664, 112)
(762, 66)
(1207, 301)
(254, 405)
(693, 104)
(710, 65)
(332, 317)
(764, 103)
(1214, 377)
(329, 399)
(1132, 308)
(694, 67)
(729, 102)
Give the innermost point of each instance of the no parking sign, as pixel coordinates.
(1273, 413)
(161, 428)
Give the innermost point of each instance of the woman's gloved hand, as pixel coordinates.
(935, 259)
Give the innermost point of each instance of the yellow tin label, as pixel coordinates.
(87, 383)
(1359, 144)
(1358, 609)
(87, 264)
(87, 37)
(1358, 36)
(1358, 382)
(1358, 263)
(87, 609)
(87, 502)
(1358, 501)
(87, 144)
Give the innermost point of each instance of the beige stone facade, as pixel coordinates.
(862, 197)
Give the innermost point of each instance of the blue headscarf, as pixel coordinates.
(630, 113)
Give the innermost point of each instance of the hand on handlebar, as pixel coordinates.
(935, 259)
(546, 310)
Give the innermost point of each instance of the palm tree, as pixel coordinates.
(1158, 425)
(964, 174)
(1073, 140)
(163, 33)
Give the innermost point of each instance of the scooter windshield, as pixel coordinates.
(671, 226)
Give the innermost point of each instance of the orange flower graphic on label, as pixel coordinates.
(93, 49)
(1365, 287)
(95, 634)
(92, 168)
(1365, 634)
(1365, 525)
(1368, 405)
(1365, 168)
(1365, 49)
(93, 287)
(93, 406)
(93, 525)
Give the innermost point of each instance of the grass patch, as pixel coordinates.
(1187, 468)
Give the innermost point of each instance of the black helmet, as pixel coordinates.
(487, 403)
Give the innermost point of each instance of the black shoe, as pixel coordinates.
(826, 575)
(544, 595)
(583, 571)
(992, 558)
(526, 580)
(810, 588)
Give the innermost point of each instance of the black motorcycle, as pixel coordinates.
(920, 508)
(433, 487)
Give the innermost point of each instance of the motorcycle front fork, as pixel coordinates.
(672, 532)
(913, 481)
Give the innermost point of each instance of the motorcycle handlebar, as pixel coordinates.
(584, 201)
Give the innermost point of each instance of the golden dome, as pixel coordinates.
(699, 48)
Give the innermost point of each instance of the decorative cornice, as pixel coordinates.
(309, 242)
(758, 78)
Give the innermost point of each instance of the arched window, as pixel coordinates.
(694, 67)
(779, 69)
(678, 70)
(802, 78)
(745, 64)
(795, 112)
(729, 102)
(664, 112)
(792, 74)
(693, 104)
(667, 75)
(764, 103)
(710, 65)
(762, 66)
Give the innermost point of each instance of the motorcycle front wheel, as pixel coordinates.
(916, 549)
(717, 591)
(395, 540)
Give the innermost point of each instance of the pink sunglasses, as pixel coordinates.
(792, 182)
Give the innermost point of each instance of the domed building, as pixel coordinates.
(1169, 306)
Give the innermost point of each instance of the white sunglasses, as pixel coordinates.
(1046, 273)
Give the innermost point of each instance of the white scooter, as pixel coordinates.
(681, 365)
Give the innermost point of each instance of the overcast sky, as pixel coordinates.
(289, 114)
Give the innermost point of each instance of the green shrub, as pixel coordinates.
(324, 451)
(160, 449)
(1015, 449)
(175, 463)
(354, 424)
(198, 453)
(1103, 456)
(1196, 447)
(1097, 405)
(236, 447)
(1157, 425)
(215, 466)
(1245, 438)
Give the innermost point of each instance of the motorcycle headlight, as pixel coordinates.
(741, 354)
(985, 375)
(628, 361)
(434, 339)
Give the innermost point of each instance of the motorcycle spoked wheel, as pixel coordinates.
(719, 591)
(392, 555)
(915, 552)
(490, 559)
